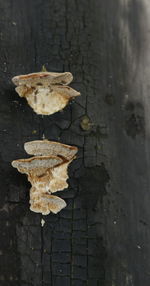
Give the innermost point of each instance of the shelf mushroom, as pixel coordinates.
(46, 92)
(47, 173)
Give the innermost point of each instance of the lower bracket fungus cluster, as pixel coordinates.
(47, 173)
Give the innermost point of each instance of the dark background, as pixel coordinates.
(102, 237)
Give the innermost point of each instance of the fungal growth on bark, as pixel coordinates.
(47, 173)
(46, 92)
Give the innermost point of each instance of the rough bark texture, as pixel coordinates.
(102, 238)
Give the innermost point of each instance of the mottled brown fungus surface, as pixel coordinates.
(47, 173)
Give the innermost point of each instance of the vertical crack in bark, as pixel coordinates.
(71, 262)
(42, 253)
(66, 19)
(51, 261)
(87, 245)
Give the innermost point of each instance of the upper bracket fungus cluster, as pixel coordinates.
(47, 173)
(46, 92)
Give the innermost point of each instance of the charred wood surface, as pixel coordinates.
(102, 237)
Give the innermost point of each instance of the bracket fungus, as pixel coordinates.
(47, 173)
(46, 92)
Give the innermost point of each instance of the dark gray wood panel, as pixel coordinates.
(102, 238)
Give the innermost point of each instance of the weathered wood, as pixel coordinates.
(102, 237)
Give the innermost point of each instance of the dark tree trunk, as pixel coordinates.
(102, 237)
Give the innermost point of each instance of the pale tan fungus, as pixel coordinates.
(46, 173)
(45, 92)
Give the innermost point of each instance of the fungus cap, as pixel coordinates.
(36, 164)
(43, 78)
(50, 148)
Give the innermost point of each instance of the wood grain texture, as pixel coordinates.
(102, 237)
